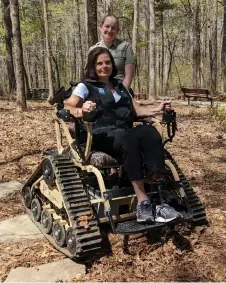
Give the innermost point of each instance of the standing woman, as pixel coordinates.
(121, 50)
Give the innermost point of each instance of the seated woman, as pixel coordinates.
(100, 98)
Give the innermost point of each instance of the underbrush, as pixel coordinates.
(219, 114)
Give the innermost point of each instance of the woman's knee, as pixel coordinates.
(148, 132)
(155, 134)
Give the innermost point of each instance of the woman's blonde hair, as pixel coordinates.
(111, 15)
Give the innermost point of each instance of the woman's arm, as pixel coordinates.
(74, 104)
(129, 75)
(77, 106)
(151, 111)
(130, 63)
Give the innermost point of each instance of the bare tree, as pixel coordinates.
(91, 9)
(79, 36)
(152, 50)
(213, 49)
(18, 55)
(135, 15)
(223, 52)
(108, 6)
(49, 65)
(196, 71)
(134, 38)
(8, 41)
(162, 55)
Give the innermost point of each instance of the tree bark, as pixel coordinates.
(135, 15)
(49, 65)
(26, 83)
(196, 66)
(162, 53)
(108, 6)
(152, 50)
(77, 14)
(91, 8)
(223, 52)
(213, 49)
(18, 50)
(134, 38)
(8, 42)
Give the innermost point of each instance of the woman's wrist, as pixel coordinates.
(78, 113)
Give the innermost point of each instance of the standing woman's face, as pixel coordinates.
(103, 66)
(109, 29)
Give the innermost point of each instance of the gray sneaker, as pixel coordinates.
(165, 213)
(145, 213)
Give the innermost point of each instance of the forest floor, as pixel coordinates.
(197, 254)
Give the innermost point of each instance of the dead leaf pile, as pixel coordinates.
(187, 255)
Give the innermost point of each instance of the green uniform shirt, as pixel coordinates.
(122, 53)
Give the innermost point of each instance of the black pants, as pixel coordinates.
(131, 146)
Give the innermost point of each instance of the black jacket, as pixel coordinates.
(108, 113)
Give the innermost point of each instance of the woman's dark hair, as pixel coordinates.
(113, 16)
(90, 72)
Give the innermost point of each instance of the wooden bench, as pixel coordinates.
(202, 93)
(138, 96)
(38, 93)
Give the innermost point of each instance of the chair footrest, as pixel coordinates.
(133, 227)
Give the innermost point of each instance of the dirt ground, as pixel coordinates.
(197, 254)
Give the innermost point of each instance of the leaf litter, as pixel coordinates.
(188, 254)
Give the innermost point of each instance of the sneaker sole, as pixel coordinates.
(148, 221)
(163, 220)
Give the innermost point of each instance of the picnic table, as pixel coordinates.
(38, 93)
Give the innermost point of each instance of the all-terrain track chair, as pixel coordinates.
(71, 196)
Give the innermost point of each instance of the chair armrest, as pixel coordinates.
(89, 139)
(64, 120)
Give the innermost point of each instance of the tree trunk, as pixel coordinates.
(18, 50)
(49, 65)
(8, 42)
(196, 46)
(152, 50)
(57, 71)
(223, 52)
(91, 8)
(108, 6)
(145, 65)
(162, 54)
(134, 38)
(26, 83)
(204, 44)
(77, 14)
(213, 50)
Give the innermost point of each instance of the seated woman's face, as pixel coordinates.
(103, 66)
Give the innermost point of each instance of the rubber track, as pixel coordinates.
(77, 204)
(193, 201)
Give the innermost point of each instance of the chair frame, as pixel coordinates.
(82, 163)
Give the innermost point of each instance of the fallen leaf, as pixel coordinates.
(79, 276)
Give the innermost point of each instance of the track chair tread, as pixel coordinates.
(77, 205)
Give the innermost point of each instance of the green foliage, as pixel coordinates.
(219, 113)
(31, 21)
(2, 35)
(124, 10)
(61, 16)
(2, 31)
(162, 5)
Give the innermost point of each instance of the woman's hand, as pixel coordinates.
(165, 105)
(151, 111)
(88, 106)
